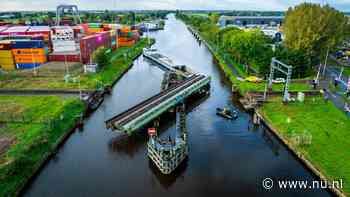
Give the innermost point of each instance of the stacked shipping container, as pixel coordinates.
(15, 30)
(44, 31)
(66, 57)
(3, 28)
(95, 28)
(125, 37)
(6, 57)
(28, 54)
(89, 44)
(63, 39)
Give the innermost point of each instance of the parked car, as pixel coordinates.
(254, 79)
(279, 80)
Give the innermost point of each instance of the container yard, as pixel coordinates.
(27, 47)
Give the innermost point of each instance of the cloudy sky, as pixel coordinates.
(9, 5)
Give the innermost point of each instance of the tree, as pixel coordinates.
(100, 56)
(295, 58)
(314, 29)
(214, 17)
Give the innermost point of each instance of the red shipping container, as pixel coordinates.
(90, 43)
(15, 30)
(38, 37)
(5, 45)
(85, 27)
(87, 46)
(44, 34)
(64, 57)
(106, 29)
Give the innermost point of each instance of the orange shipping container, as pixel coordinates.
(125, 29)
(126, 44)
(30, 59)
(124, 39)
(39, 51)
(95, 30)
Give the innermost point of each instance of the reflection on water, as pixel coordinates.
(166, 181)
(271, 141)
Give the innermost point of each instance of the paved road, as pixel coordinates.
(337, 97)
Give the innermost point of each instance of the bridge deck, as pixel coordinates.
(166, 63)
(141, 108)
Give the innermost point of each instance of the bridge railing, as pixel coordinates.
(109, 123)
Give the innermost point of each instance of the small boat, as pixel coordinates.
(226, 113)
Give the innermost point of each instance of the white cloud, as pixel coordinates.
(7, 5)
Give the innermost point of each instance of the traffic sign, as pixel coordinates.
(152, 132)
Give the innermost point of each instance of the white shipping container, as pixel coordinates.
(61, 46)
(39, 28)
(62, 38)
(63, 42)
(64, 49)
(62, 33)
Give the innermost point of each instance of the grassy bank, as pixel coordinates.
(31, 130)
(117, 65)
(328, 127)
(228, 65)
(244, 86)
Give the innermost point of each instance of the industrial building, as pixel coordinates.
(250, 21)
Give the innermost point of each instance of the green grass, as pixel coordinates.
(107, 75)
(118, 63)
(199, 14)
(244, 87)
(347, 71)
(33, 141)
(329, 128)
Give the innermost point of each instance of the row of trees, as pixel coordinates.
(315, 30)
(311, 32)
(129, 18)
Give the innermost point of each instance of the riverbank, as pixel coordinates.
(233, 71)
(47, 80)
(31, 129)
(315, 119)
(309, 131)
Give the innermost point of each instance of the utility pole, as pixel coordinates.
(341, 73)
(325, 62)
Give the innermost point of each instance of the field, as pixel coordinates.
(30, 128)
(51, 76)
(328, 127)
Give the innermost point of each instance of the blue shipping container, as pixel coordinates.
(27, 44)
(27, 65)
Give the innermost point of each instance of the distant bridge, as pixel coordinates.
(144, 112)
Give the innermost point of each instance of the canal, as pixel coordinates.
(230, 158)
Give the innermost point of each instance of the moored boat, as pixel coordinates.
(226, 113)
